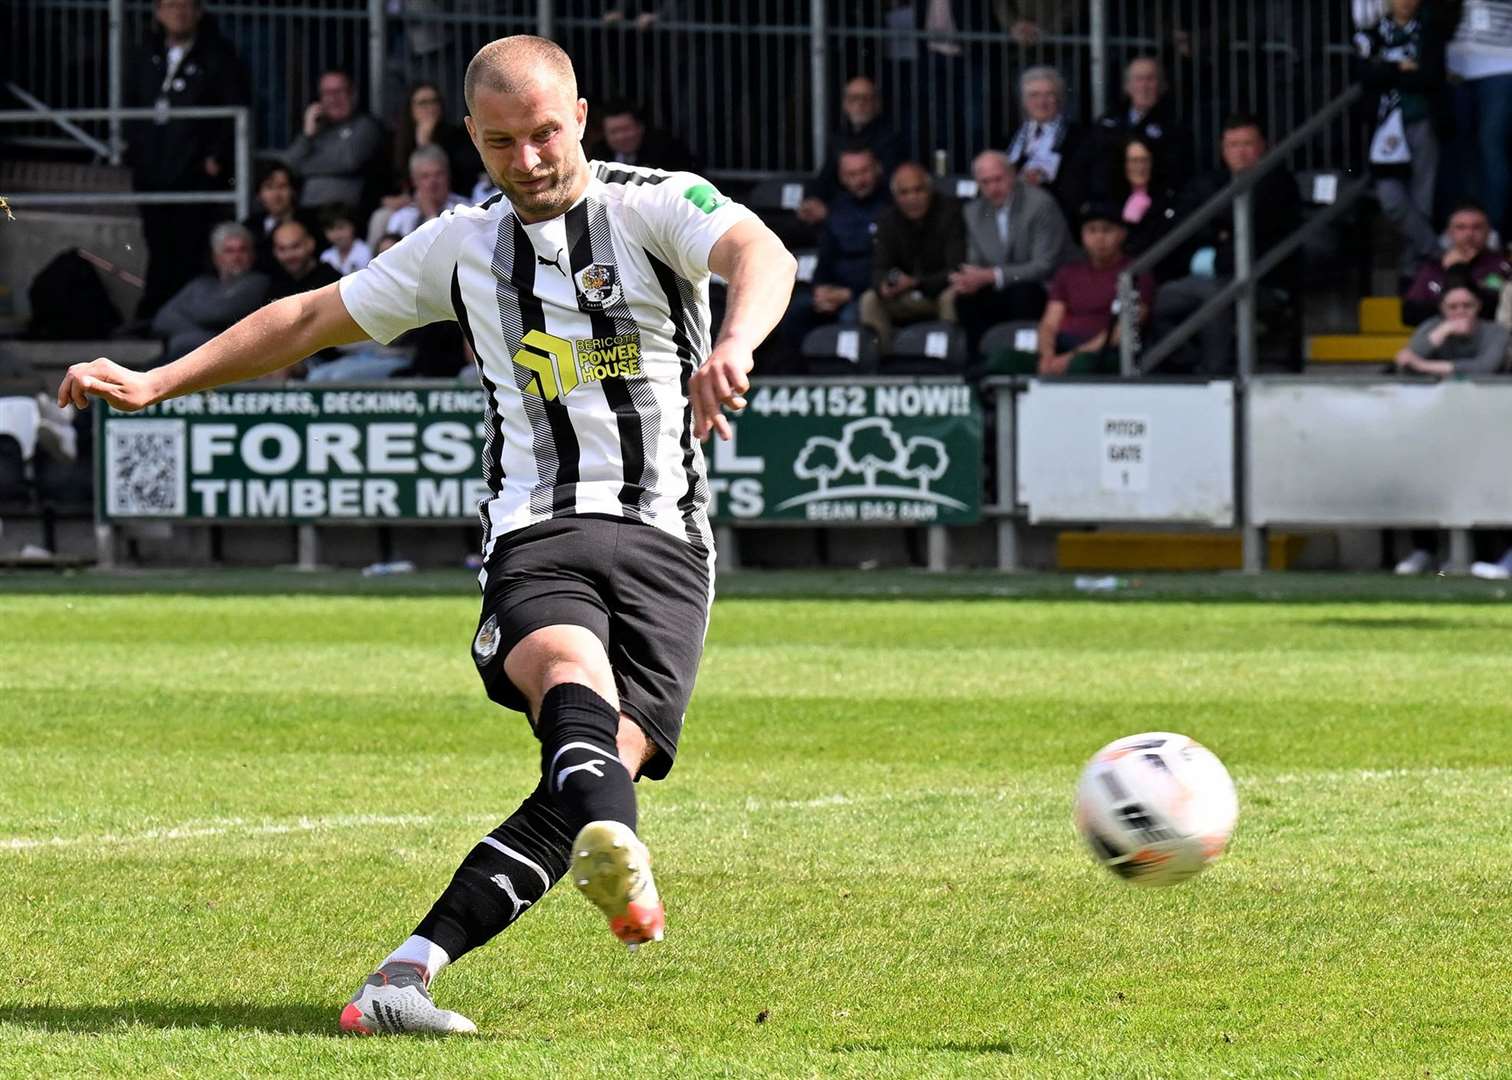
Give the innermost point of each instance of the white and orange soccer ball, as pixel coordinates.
(1157, 808)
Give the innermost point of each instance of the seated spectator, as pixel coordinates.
(277, 202)
(1401, 65)
(861, 124)
(1147, 113)
(921, 238)
(627, 140)
(1015, 240)
(212, 302)
(1047, 143)
(844, 269)
(1277, 213)
(1456, 342)
(298, 268)
(431, 180)
(1146, 198)
(346, 253)
(424, 123)
(1487, 268)
(339, 152)
(1078, 334)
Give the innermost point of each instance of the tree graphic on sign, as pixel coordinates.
(926, 460)
(821, 459)
(872, 446)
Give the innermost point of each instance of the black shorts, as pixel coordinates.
(643, 592)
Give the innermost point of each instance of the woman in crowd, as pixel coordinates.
(1147, 199)
(424, 123)
(277, 202)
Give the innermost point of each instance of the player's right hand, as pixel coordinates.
(123, 388)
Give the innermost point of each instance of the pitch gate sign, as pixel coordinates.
(296, 455)
(831, 452)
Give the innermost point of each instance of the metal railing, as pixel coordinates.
(752, 85)
(240, 195)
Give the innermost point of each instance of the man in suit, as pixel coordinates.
(1148, 112)
(1045, 147)
(1016, 237)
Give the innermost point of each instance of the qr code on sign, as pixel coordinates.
(144, 468)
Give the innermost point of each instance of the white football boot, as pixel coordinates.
(611, 867)
(395, 1001)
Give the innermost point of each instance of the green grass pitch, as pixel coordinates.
(221, 805)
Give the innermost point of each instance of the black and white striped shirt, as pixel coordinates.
(586, 328)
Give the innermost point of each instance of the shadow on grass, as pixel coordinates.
(1428, 623)
(942, 1047)
(294, 1018)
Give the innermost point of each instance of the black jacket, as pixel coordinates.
(658, 150)
(172, 155)
(886, 143)
(1169, 138)
(1277, 208)
(928, 250)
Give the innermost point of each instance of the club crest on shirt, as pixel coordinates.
(486, 644)
(598, 284)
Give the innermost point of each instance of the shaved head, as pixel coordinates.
(514, 65)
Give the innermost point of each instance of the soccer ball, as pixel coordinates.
(1157, 808)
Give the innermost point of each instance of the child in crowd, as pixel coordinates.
(346, 253)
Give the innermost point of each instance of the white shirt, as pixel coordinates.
(358, 256)
(406, 219)
(587, 328)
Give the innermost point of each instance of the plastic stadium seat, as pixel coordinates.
(779, 193)
(15, 485)
(956, 187)
(808, 262)
(927, 348)
(1010, 348)
(841, 350)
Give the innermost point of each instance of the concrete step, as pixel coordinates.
(1382, 315)
(1354, 348)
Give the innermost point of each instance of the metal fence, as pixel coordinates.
(751, 85)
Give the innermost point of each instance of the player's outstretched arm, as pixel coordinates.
(271, 338)
(760, 273)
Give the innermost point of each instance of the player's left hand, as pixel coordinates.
(721, 382)
(123, 388)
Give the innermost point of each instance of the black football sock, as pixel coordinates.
(580, 765)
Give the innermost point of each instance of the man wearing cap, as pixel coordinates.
(1079, 330)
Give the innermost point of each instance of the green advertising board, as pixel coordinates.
(406, 453)
(831, 452)
(843, 453)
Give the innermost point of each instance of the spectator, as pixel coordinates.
(185, 64)
(431, 181)
(277, 202)
(1146, 198)
(298, 268)
(1468, 254)
(1479, 60)
(424, 123)
(921, 238)
(861, 124)
(212, 302)
(1078, 334)
(1048, 141)
(347, 253)
(1145, 112)
(339, 152)
(627, 140)
(844, 268)
(1015, 239)
(1277, 212)
(1402, 68)
(1455, 342)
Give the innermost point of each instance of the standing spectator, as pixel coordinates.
(1402, 67)
(921, 238)
(627, 140)
(431, 181)
(861, 124)
(185, 64)
(1078, 334)
(212, 302)
(1480, 59)
(1016, 237)
(424, 123)
(1468, 255)
(1046, 144)
(339, 152)
(298, 268)
(1277, 212)
(347, 253)
(1147, 112)
(844, 268)
(277, 202)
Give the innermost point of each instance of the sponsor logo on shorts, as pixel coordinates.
(486, 644)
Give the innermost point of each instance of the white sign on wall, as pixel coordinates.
(1126, 453)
